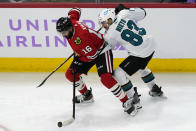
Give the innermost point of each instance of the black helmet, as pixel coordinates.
(119, 8)
(63, 24)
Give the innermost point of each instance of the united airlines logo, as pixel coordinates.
(37, 41)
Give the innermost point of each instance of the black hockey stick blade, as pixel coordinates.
(45, 79)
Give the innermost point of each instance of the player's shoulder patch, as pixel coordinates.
(78, 40)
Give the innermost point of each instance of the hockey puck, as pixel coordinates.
(60, 124)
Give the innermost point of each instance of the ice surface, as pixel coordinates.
(23, 107)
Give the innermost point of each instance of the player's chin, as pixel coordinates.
(106, 27)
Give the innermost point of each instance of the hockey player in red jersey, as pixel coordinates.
(90, 49)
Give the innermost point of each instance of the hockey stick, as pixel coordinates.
(54, 71)
(99, 29)
(69, 121)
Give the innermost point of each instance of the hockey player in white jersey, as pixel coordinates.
(121, 27)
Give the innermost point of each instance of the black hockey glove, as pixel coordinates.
(77, 61)
(76, 65)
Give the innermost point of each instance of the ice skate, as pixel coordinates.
(157, 92)
(87, 97)
(133, 94)
(130, 108)
(136, 99)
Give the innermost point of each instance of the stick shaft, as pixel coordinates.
(55, 70)
(74, 89)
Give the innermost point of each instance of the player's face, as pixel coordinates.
(68, 33)
(105, 25)
(65, 33)
(110, 21)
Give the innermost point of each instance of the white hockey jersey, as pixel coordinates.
(127, 33)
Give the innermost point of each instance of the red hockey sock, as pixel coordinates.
(80, 85)
(108, 81)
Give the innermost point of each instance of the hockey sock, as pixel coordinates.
(119, 93)
(148, 77)
(127, 86)
(108, 81)
(81, 86)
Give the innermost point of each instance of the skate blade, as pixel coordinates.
(163, 97)
(134, 113)
(86, 102)
(138, 106)
(158, 96)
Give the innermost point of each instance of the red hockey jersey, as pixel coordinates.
(85, 41)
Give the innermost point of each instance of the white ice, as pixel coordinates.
(23, 107)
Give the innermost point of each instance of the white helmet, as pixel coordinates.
(105, 14)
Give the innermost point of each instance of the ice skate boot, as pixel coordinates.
(87, 97)
(136, 99)
(130, 108)
(156, 91)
